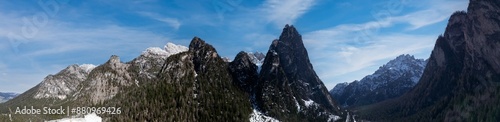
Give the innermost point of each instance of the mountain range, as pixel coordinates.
(459, 82)
(390, 81)
(194, 83)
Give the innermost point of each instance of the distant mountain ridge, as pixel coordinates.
(391, 80)
(6, 96)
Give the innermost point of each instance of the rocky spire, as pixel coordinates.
(203, 54)
(289, 32)
(288, 78)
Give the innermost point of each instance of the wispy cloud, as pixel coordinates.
(62, 39)
(254, 22)
(172, 22)
(437, 11)
(39, 56)
(285, 12)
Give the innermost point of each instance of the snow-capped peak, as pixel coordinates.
(403, 63)
(87, 67)
(169, 49)
(174, 49)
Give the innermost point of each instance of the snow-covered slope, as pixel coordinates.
(390, 80)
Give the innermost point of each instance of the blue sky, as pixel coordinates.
(346, 39)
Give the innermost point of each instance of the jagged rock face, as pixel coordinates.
(202, 54)
(462, 78)
(391, 80)
(244, 72)
(106, 81)
(63, 83)
(288, 84)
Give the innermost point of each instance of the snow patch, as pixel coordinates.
(257, 116)
(259, 66)
(296, 103)
(88, 118)
(309, 102)
(333, 118)
(61, 97)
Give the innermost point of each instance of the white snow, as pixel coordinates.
(174, 49)
(297, 104)
(88, 118)
(259, 66)
(333, 118)
(155, 51)
(309, 102)
(347, 119)
(61, 97)
(87, 67)
(255, 60)
(257, 116)
(169, 49)
(275, 64)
